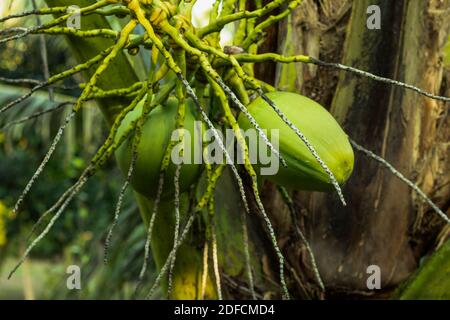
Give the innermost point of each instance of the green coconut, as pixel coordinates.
(303, 172)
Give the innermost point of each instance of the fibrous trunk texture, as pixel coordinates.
(385, 223)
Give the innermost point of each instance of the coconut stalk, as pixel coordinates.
(188, 271)
(120, 75)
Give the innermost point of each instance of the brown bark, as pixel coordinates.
(384, 223)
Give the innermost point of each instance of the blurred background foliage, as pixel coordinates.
(78, 237)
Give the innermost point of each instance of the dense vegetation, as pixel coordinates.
(220, 229)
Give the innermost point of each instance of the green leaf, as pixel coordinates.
(431, 280)
(447, 53)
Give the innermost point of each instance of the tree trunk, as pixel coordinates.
(384, 223)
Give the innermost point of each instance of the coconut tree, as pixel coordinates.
(223, 229)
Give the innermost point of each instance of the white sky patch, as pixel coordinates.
(200, 18)
(227, 35)
(201, 11)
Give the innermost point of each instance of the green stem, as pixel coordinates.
(217, 25)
